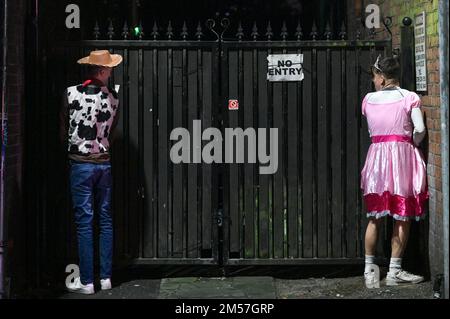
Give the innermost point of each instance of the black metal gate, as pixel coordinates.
(310, 211)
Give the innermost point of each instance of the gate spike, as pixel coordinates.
(284, 32)
(269, 33)
(343, 32)
(141, 31)
(199, 32)
(314, 31)
(299, 32)
(184, 32)
(155, 32)
(358, 34)
(372, 33)
(328, 31)
(125, 31)
(255, 31)
(169, 32)
(110, 33)
(240, 32)
(96, 32)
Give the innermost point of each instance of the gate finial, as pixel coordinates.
(372, 33)
(141, 31)
(184, 31)
(155, 32)
(284, 33)
(299, 32)
(328, 33)
(110, 33)
(96, 32)
(125, 31)
(169, 32)
(240, 32)
(269, 33)
(314, 32)
(343, 32)
(199, 32)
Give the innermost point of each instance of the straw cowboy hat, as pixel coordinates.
(102, 58)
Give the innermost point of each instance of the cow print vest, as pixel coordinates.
(91, 113)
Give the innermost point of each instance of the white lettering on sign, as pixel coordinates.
(285, 67)
(420, 52)
(73, 19)
(373, 19)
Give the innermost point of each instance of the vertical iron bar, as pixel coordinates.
(240, 170)
(126, 129)
(170, 164)
(185, 180)
(223, 71)
(141, 149)
(300, 162)
(256, 185)
(314, 152)
(358, 139)
(155, 195)
(329, 143)
(200, 185)
(271, 178)
(284, 141)
(216, 183)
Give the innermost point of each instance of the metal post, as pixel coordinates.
(443, 75)
(407, 80)
(3, 154)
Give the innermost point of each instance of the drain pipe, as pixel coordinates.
(3, 153)
(443, 75)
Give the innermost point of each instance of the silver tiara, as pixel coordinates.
(376, 65)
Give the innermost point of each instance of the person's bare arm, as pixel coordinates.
(419, 126)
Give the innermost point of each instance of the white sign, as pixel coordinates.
(285, 67)
(420, 32)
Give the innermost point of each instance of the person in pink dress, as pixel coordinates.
(394, 175)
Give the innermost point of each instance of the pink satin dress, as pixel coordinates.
(394, 178)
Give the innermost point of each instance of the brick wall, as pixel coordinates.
(14, 151)
(398, 9)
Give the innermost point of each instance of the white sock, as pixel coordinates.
(395, 264)
(370, 260)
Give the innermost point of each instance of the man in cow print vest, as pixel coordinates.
(88, 119)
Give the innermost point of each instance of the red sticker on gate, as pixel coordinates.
(233, 104)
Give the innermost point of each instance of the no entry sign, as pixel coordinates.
(285, 67)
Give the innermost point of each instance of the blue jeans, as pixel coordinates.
(91, 187)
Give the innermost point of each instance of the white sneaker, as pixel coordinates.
(105, 283)
(395, 278)
(371, 280)
(78, 287)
